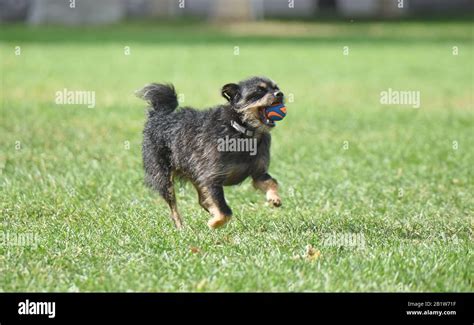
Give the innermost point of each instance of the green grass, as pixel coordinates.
(67, 177)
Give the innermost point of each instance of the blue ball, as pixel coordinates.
(276, 112)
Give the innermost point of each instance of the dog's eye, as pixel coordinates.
(262, 89)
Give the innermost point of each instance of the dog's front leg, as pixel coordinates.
(269, 186)
(212, 199)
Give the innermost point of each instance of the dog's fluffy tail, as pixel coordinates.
(162, 98)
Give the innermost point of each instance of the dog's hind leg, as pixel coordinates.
(163, 183)
(166, 190)
(170, 198)
(159, 176)
(202, 197)
(212, 199)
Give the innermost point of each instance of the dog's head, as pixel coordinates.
(250, 97)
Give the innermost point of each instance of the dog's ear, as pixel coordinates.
(230, 91)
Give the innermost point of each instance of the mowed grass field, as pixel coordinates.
(398, 179)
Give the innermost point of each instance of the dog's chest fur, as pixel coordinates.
(241, 166)
(237, 166)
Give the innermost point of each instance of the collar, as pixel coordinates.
(242, 129)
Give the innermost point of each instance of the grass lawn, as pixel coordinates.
(398, 179)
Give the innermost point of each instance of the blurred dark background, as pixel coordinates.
(85, 12)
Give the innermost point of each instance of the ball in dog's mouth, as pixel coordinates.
(275, 112)
(264, 119)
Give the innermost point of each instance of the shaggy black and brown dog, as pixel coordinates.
(184, 143)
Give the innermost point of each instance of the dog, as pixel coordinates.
(183, 143)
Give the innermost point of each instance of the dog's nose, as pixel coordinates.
(278, 94)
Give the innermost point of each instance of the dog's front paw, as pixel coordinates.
(273, 199)
(276, 202)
